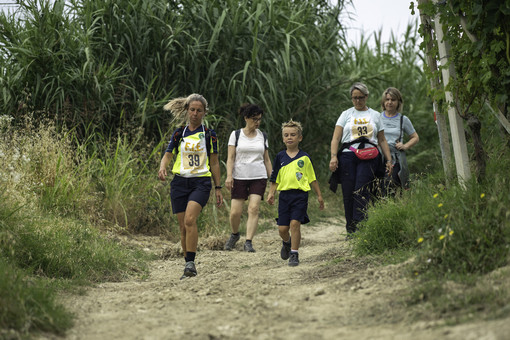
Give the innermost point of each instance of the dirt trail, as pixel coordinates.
(239, 295)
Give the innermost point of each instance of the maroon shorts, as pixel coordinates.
(243, 188)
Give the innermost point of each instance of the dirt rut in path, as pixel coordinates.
(239, 295)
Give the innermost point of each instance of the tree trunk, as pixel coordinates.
(480, 156)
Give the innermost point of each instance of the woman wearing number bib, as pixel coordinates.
(357, 128)
(196, 161)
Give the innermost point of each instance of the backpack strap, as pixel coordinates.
(178, 137)
(238, 133)
(401, 122)
(208, 141)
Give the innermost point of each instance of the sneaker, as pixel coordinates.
(189, 270)
(248, 247)
(285, 252)
(232, 241)
(294, 259)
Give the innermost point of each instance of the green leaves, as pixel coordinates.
(96, 61)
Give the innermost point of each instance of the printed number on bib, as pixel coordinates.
(194, 161)
(194, 155)
(362, 131)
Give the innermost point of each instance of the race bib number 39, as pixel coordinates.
(193, 156)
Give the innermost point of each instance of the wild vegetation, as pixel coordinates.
(82, 131)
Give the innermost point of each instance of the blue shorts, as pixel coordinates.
(185, 189)
(292, 205)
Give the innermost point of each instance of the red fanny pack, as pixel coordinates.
(366, 153)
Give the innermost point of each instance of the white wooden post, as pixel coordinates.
(444, 140)
(456, 124)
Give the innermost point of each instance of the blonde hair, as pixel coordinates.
(179, 106)
(395, 94)
(293, 124)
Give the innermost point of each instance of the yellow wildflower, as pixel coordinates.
(435, 195)
(441, 237)
(482, 195)
(420, 240)
(446, 216)
(451, 232)
(440, 205)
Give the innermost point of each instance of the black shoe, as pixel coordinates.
(294, 259)
(248, 247)
(285, 252)
(231, 243)
(189, 270)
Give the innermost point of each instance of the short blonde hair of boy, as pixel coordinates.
(293, 124)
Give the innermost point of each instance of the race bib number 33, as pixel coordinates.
(362, 130)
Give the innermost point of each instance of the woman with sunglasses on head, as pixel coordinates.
(358, 128)
(248, 168)
(395, 126)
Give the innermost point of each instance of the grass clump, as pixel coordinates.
(47, 240)
(460, 299)
(459, 230)
(39, 254)
(457, 238)
(65, 249)
(28, 304)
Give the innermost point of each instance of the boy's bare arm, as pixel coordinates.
(272, 190)
(315, 187)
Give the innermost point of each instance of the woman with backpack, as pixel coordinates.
(196, 160)
(248, 168)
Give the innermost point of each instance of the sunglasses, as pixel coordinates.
(358, 98)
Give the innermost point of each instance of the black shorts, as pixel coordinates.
(292, 205)
(185, 189)
(243, 188)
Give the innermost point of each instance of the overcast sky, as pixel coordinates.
(371, 15)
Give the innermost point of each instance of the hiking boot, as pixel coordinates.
(189, 270)
(285, 252)
(248, 247)
(232, 241)
(294, 259)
